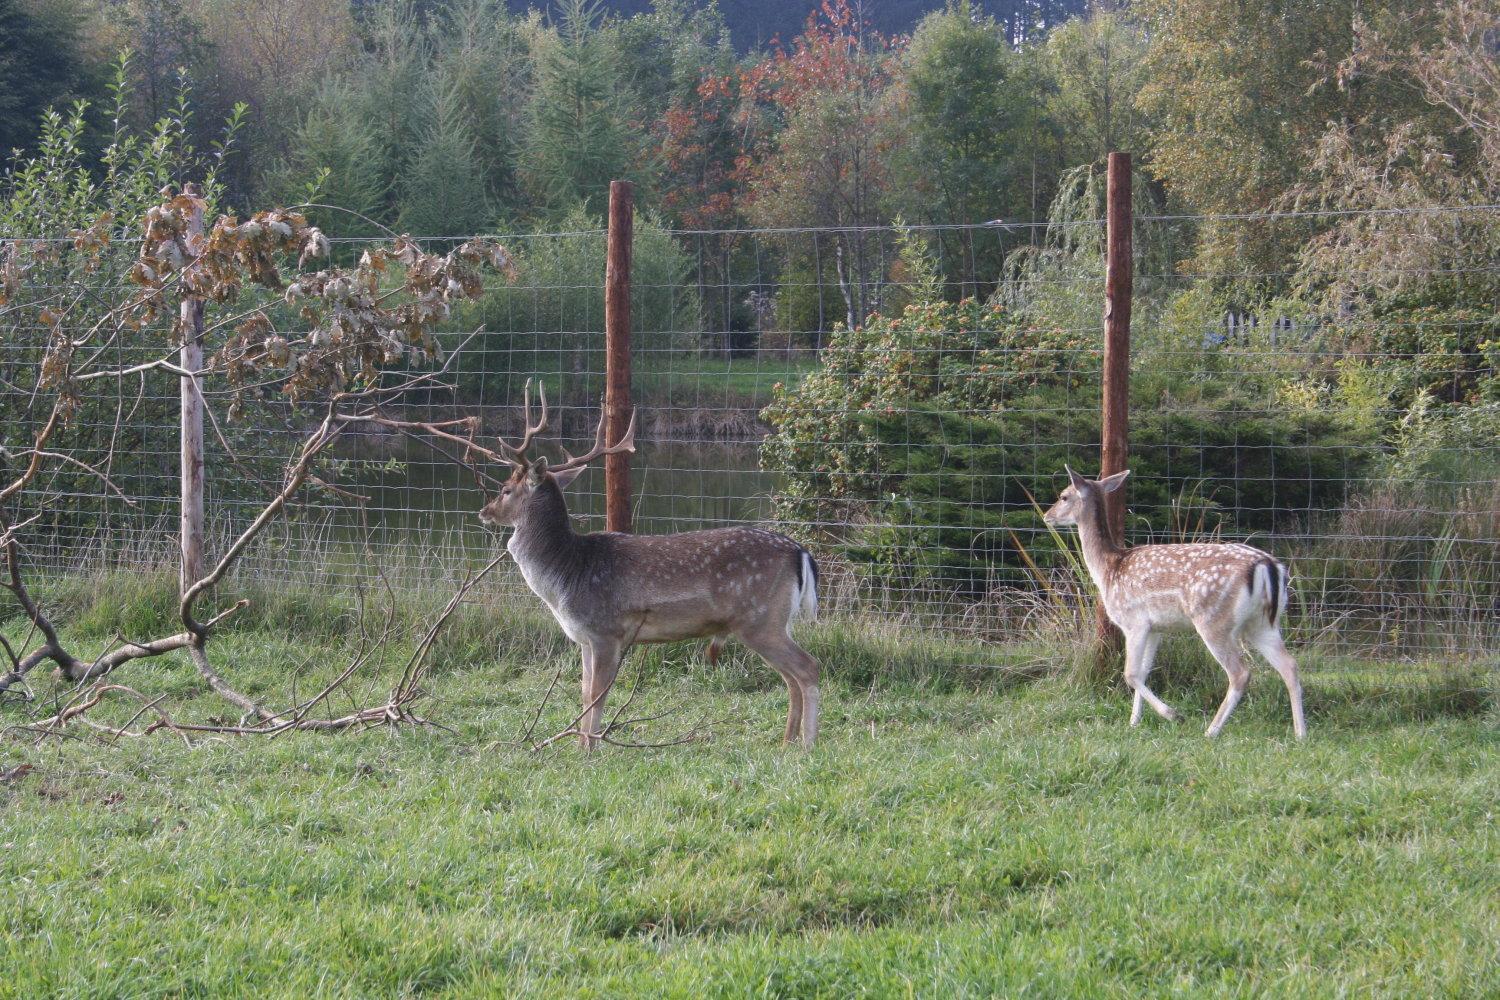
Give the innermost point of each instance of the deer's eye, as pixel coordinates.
(505, 492)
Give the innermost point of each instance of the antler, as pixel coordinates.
(626, 443)
(517, 453)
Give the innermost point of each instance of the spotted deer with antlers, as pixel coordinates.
(609, 591)
(1231, 594)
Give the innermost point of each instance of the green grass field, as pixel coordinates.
(962, 830)
(687, 379)
(711, 380)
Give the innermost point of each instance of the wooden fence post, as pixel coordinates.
(190, 357)
(617, 353)
(1115, 429)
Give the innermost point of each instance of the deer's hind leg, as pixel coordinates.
(800, 672)
(1267, 641)
(1226, 649)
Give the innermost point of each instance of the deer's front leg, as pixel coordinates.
(1140, 651)
(1147, 658)
(604, 657)
(587, 690)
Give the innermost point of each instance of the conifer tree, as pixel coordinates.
(40, 67)
(483, 54)
(338, 158)
(442, 184)
(579, 134)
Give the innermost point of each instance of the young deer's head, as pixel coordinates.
(532, 482)
(1080, 497)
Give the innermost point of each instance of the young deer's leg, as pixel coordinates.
(1269, 644)
(794, 708)
(1226, 649)
(1148, 657)
(1140, 650)
(800, 672)
(606, 655)
(811, 701)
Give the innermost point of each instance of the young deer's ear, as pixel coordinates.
(1078, 481)
(567, 476)
(536, 470)
(1111, 483)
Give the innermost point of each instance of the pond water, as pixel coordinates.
(677, 486)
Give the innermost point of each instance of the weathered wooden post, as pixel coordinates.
(617, 352)
(1115, 434)
(190, 357)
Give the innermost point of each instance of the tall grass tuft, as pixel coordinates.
(1065, 608)
(1394, 575)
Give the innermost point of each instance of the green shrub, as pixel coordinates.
(923, 439)
(902, 434)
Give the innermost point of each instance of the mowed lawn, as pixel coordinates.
(958, 832)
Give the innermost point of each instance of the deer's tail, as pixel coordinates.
(1269, 581)
(806, 598)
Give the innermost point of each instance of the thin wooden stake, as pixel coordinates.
(1115, 435)
(191, 360)
(617, 352)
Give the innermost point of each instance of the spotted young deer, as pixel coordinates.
(1229, 593)
(610, 590)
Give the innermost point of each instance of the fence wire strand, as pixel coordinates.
(1247, 425)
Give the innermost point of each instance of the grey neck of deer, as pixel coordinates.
(1101, 552)
(545, 534)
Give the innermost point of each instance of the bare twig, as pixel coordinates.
(616, 723)
(541, 707)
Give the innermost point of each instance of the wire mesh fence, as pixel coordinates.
(902, 399)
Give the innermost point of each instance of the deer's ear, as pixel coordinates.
(1111, 483)
(1078, 481)
(567, 476)
(536, 471)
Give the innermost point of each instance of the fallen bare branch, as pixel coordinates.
(15, 773)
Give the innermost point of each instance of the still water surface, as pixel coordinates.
(677, 487)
